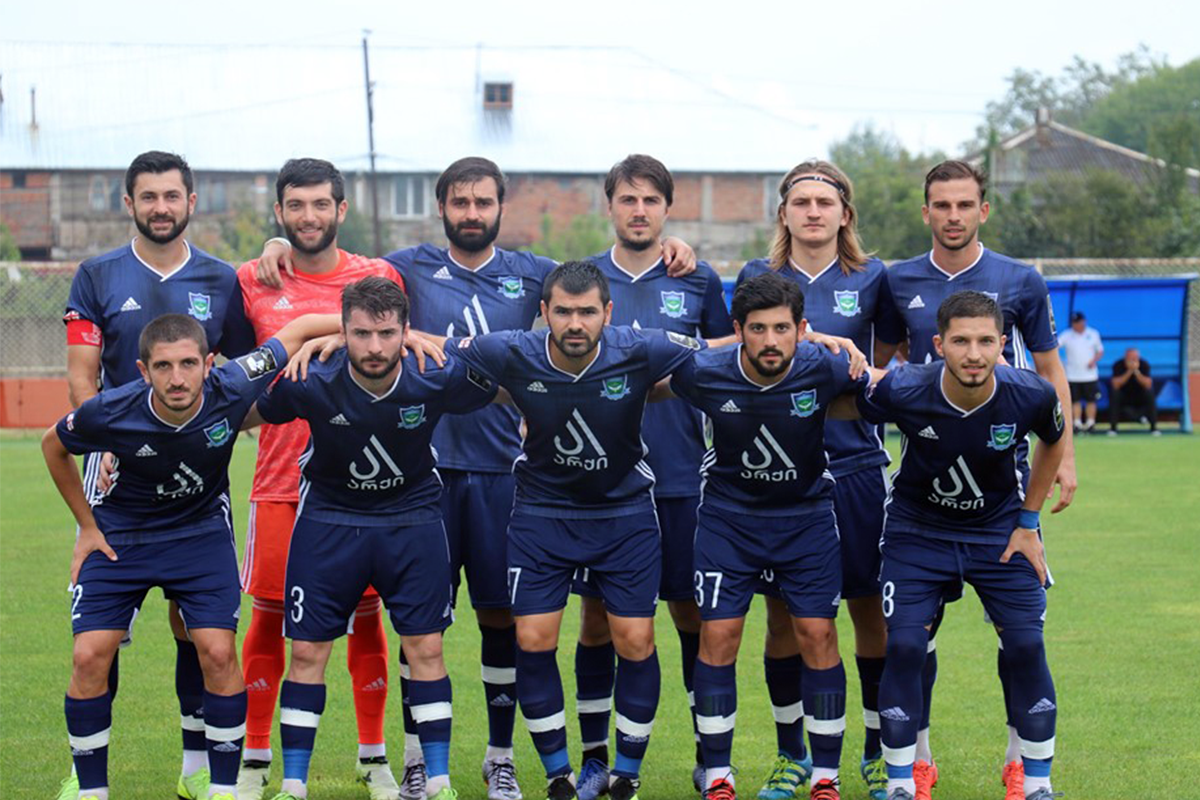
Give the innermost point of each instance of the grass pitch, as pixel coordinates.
(1123, 637)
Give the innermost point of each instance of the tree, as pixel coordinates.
(584, 235)
(355, 235)
(242, 235)
(1157, 114)
(8, 244)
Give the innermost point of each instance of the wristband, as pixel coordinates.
(282, 240)
(1028, 519)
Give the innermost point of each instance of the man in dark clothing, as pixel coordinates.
(1132, 392)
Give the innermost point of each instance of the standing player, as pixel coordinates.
(959, 511)
(310, 205)
(846, 294)
(640, 191)
(164, 522)
(1084, 351)
(113, 297)
(369, 515)
(954, 210)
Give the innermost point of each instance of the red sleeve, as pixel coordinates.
(83, 331)
(394, 275)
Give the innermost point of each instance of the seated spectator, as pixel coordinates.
(1083, 350)
(1132, 394)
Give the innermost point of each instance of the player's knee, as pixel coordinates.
(421, 651)
(634, 642)
(906, 647)
(817, 638)
(219, 656)
(89, 669)
(719, 646)
(1023, 647)
(308, 660)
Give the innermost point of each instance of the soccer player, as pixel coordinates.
(846, 294)
(163, 522)
(954, 210)
(112, 298)
(640, 192)
(369, 516)
(767, 507)
(1084, 350)
(959, 511)
(310, 205)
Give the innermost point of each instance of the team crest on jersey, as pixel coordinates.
(200, 306)
(412, 417)
(1002, 437)
(846, 303)
(804, 403)
(615, 388)
(673, 304)
(512, 287)
(218, 434)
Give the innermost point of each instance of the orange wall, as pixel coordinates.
(32, 402)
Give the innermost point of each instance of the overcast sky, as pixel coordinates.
(923, 71)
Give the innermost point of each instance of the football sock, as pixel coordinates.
(431, 709)
(499, 671)
(900, 701)
(114, 675)
(412, 742)
(1013, 751)
(1034, 699)
(539, 688)
(716, 714)
(869, 672)
(224, 730)
(367, 660)
(825, 718)
(263, 662)
(689, 651)
(300, 708)
(637, 692)
(785, 678)
(89, 723)
(928, 679)
(189, 686)
(595, 671)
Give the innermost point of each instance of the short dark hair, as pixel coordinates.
(953, 170)
(968, 304)
(171, 328)
(640, 167)
(471, 169)
(157, 162)
(310, 172)
(768, 290)
(377, 296)
(576, 277)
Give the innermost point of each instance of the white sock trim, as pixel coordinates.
(789, 714)
(546, 724)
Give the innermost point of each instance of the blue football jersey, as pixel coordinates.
(858, 307)
(451, 300)
(583, 455)
(120, 294)
(693, 305)
(958, 476)
(369, 458)
(918, 287)
(171, 481)
(768, 454)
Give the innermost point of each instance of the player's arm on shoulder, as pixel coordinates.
(874, 403)
(835, 345)
(678, 256)
(276, 259)
(845, 404)
(467, 389)
(487, 353)
(1050, 367)
(305, 328)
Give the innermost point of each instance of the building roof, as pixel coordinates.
(575, 110)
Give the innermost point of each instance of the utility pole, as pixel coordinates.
(371, 143)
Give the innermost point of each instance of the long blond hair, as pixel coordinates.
(851, 255)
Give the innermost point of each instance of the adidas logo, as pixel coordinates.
(282, 303)
(730, 407)
(501, 701)
(259, 685)
(928, 433)
(916, 302)
(443, 274)
(377, 685)
(131, 305)
(146, 450)
(1042, 706)
(340, 419)
(895, 713)
(536, 386)
(227, 747)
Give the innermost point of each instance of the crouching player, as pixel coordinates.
(163, 522)
(369, 514)
(958, 512)
(767, 505)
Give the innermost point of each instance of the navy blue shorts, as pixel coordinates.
(800, 554)
(919, 573)
(858, 500)
(330, 566)
(199, 573)
(620, 556)
(476, 507)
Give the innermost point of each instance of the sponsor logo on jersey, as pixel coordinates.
(281, 303)
(187, 482)
(615, 388)
(377, 458)
(257, 363)
(200, 306)
(761, 466)
(673, 304)
(683, 341)
(512, 287)
(916, 302)
(218, 433)
(1003, 436)
(568, 455)
(1059, 421)
(340, 419)
(804, 404)
(443, 274)
(961, 492)
(131, 305)
(928, 433)
(536, 386)
(145, 451)
(731, 407)
(412, 416)
(846, 303)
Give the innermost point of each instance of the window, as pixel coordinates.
(18, 180)
(211, 196)
(497, 95)
(105, 193)
(410, 196)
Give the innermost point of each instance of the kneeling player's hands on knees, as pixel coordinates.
(1029, 544)
(322, 347)
(90, 539)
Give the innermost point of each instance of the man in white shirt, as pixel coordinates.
(1083, 351)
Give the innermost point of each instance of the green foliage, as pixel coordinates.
(355, 234)
(34, 293)
(243, 234)
(8, 244)
(585, 235)
(1159, 114)
(759, 245)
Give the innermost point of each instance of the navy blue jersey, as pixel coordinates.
(858, 307)
(919, 287)
(451, 300)
(369, 458)
(693, 305)
(768, 454)
(958, 476)
(121, 294)
(171, 481)
(583, 454)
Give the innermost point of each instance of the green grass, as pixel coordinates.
(1123, 637)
